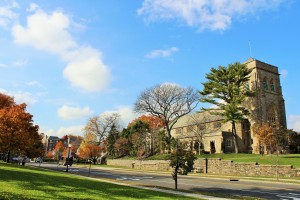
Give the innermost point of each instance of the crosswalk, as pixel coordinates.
(289, 196)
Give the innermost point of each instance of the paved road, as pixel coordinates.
(260, 189)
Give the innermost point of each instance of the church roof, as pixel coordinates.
(197, 118)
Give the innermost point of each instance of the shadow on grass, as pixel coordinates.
(26, 183)
(290, 156)
(252, 193)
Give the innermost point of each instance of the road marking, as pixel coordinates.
(133, 178)
(74, 170)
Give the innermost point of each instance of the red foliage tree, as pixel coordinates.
(18, 134)
(122, 146)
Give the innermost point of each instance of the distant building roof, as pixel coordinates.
(54, 138)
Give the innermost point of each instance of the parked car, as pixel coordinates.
(39, 160)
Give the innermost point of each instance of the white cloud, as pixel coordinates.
(33, 7)
(35, 84)
(203, 14)
(86, 69)
(161, 53)
(45, 32)
(126, 113)
(294, 122)
(7, 15)
(68, 112)
(51, 33)
(16, 63)
(62, 131)
(21, 97)
(19, 63)
(3, 65)
(284, 73)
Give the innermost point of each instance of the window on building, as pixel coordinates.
(228, 143)
(190, 129)
(179, 131)
(201, 127)
(272, 115)
(272, 87)
(217, 125)
(265, 84)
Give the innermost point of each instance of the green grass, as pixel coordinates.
(283, 159)
(19, 182)
(159, 157)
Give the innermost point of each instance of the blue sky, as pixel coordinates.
(70, 60)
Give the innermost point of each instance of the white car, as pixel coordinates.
(39, 160)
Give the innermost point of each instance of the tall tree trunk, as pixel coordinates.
(175, 176)
(168, 139)
(8, 155)
(236, 150)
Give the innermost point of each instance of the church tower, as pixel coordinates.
(267, 106)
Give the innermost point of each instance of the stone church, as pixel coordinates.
(207, 132)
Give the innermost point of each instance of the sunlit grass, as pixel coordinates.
(19, 182)
(283, 159)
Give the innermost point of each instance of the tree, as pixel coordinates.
(182, 161)
(18, 134)
(294, 141)
(122, 147)
(139, 131)
(198, 128)
(168, 102)
(58, 150)
(112, 137)
(89, 148)
(100, 125)
(225, 89)
(89, 151)
(272, 138)
(154, 138)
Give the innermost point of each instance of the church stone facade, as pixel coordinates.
(267, 106)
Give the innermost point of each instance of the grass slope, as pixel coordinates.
(283, 159)
(18, 182)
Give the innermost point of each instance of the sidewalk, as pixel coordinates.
(200, 196)
(216, 176)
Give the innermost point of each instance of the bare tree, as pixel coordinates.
(168, 102)
(199, 126)
(100, 125)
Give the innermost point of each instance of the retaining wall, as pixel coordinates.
(214, 166)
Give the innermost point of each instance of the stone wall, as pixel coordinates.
(159, 165)
(214, 166)
(228, 167)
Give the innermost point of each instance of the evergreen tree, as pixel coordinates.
(227, 88)
(112, 137)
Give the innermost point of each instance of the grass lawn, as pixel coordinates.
(19, 182)
(283, 159)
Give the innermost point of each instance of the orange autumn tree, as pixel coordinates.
(49, 154)
(153, 121)
(264, 134)
(58, 150)
(155, 135)
(272, 138)
(89, 149)
(18, 134)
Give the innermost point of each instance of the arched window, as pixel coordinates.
(272, 87)
(265, 84)
(272, 115)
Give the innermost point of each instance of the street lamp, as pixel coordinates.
(68, 155)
